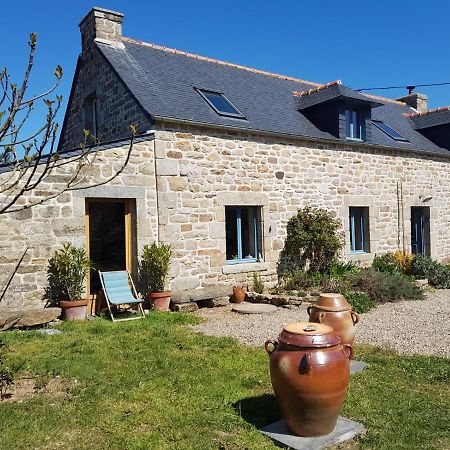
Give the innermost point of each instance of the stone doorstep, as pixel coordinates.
(345, 430)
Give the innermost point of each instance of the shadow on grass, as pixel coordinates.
(258, 411)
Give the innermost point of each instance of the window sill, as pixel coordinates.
(245, 267)
(353, 256)
(354, 139)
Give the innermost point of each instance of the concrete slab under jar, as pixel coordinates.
(345, 430)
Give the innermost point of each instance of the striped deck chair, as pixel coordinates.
(119, 290)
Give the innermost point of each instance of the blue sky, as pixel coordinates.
(364, 44)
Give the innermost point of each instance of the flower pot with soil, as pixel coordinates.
(66, 276)
(153, 274)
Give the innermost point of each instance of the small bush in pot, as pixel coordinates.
(66, 276)
(153, 273)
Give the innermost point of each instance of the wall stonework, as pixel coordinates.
(209, 170)
(45, 227)
(199, 172)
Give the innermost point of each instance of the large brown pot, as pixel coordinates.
(310, 371)
(335, 311)
(238, 294)
(160, 301)
(73, 310)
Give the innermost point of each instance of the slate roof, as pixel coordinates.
(163, 81)
(431, 118)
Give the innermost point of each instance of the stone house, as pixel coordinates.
(225, 156)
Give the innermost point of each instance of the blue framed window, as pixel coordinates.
(243, 234)
(355, 124)
(359, 230)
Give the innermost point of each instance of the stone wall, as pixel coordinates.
(44, 227)
(199, 172)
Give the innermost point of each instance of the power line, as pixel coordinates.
(409, 87)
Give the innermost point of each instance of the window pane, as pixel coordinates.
(359, 229)
(389, 131)
(248, 225)
(231, 232)
(221, 104)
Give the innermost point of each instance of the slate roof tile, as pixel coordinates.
(164, 80)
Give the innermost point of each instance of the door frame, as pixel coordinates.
(129, 249)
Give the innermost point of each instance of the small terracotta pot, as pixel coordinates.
(334, 310)
(238, 294)
(310, 371)
(160, 301)
(73, 310)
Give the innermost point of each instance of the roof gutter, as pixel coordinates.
(297, 137)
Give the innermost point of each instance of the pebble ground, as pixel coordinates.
(408, 327)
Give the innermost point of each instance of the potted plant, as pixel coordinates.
(66, 275)
(153, 273)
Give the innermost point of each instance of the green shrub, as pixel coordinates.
(424, 267)
(360, 301)
(340, 269)
(313, 241)
(66, 273)
(153, 269)
(296, 279)
(258, 284)
(385, 287)
(387, 264)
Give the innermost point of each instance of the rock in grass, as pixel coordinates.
(10, 318)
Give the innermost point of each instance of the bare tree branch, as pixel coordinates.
(33, 158)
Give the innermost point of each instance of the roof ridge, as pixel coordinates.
(218, 61)
(319, 88)
(337, 82)
(428, 111)
(385, 99)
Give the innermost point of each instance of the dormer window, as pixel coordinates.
(355, 124)
(90, 114)
(220, 104)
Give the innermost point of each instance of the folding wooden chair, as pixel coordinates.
(119, 290)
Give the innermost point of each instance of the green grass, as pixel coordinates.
(155, 384)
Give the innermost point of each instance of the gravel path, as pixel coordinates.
(409, 327)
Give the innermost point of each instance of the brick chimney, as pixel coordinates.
(101, 24)
(415, 100)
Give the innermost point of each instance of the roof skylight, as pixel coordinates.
(389, 131)
(220, 104)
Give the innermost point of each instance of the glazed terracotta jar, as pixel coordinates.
(310, 371)
(335, 311)
(238, 294)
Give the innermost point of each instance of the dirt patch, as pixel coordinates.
(29, 386)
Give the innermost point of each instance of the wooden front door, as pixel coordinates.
(108, 241)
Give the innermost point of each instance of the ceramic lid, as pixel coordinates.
(332, 302)
(308, 334)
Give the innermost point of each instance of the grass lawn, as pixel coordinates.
(155, 384)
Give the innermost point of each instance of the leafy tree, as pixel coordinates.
(312, 243)
(31, 157)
